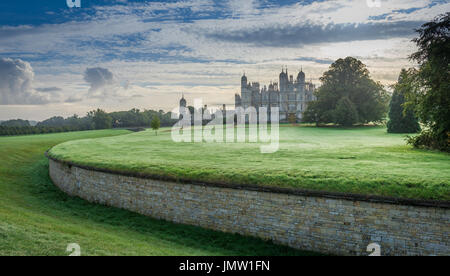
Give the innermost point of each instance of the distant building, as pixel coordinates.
(182, 101)
(289, 95)
(182, 108)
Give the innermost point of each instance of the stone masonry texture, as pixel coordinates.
(332, 226)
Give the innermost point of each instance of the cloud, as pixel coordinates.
(16, 78)
(49, 89)
(72, 99)
(281, 36)
(104, 84)
(243, 8)
(203, 44)
(98, 78)
(193, 30)
(316, 60)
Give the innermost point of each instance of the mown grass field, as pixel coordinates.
(38, 219)
(364, 160)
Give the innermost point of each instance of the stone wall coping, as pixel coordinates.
(270, 189)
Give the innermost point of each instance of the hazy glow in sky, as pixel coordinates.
(121, 54)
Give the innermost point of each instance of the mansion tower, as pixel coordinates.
(289, 95)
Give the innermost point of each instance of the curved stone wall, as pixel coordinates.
(317, 223)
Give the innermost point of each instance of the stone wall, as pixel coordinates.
(321, 224)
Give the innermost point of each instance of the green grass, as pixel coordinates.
(364, 160)
(38, 219)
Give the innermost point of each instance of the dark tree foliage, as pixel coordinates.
(137, 118)
(345, 113)
(16, 123)
(430, 96)
(401, 120)
(74, 122)
(348, 78)
(131, 118)
(101, 119)
(96, 119)
(56, 121)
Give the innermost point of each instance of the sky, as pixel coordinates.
(57, 60)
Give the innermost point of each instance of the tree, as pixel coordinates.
(101, 119)
(345, 113)
(96, 119)
(155, 124)
(430, 93)
(402, 120)
(52, 122)
(348, 78)
(16, 123)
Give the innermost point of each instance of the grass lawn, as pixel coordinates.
(363, 160)
(38, 219)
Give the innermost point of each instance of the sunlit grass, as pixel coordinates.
(38, 219)
(363, 160)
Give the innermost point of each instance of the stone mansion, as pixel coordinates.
(289, 95)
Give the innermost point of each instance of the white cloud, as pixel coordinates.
(16, 79)
(241, 8)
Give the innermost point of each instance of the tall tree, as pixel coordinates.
(348, 78)
(155, 124)
(402, 120)
(430, 95)
(101, 119)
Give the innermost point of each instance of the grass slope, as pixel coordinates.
(362, 160)
(38, 219)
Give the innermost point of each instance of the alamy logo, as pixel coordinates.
(74, 249)
(374, 249)
(73, 3)
(227, 126)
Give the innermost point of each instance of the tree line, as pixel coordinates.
(95, 119)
